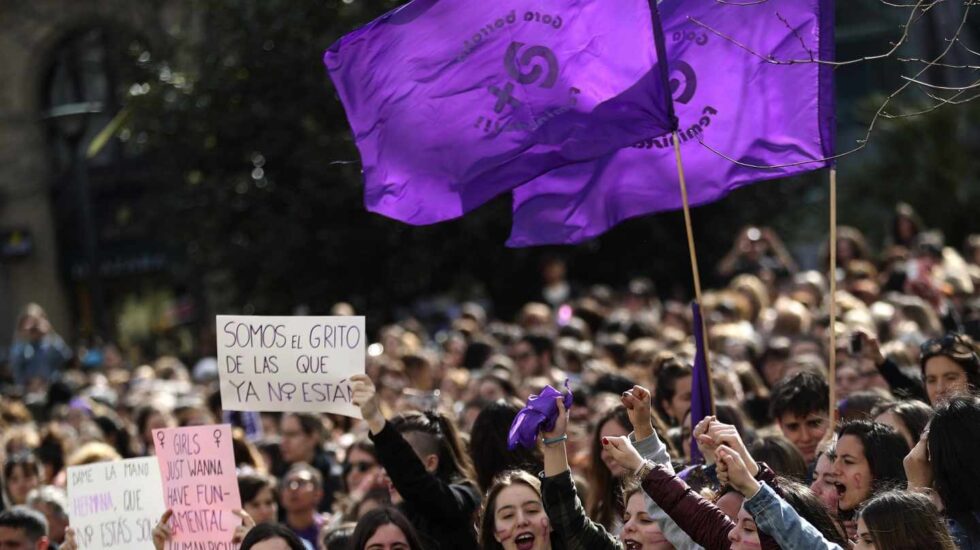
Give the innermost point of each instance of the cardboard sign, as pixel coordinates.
(290, 364)
(200, 485)
(115, 505)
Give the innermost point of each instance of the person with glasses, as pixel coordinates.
(300, 491)
(302, 441)
(361, 468)
(950, 366)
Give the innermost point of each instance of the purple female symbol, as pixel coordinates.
(217, 437)
(160, 437)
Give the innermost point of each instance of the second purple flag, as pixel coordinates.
(454, 102)
(728, 94)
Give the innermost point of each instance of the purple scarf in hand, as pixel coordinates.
(540, 413)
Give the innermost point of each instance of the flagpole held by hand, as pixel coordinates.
(832, 329)
(694, 260)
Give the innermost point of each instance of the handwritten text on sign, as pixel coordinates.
(290, 363)
(200, 485)
(114, 505)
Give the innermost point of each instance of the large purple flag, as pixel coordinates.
(701, 401)
(756, 112)
(454, 102)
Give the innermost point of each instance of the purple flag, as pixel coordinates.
(756, 112)
(700, 383)
(452, 103)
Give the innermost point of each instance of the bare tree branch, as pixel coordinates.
(941, 102)
(938, 87)
(921, 4)
(797, 35)
(880, 113)
(943, 65)
(967, 48)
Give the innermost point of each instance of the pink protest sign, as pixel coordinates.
(200, 485)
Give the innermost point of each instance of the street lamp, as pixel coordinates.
(70, 122)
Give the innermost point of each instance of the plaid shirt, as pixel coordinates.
(568, 517)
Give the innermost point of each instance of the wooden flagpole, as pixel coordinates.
(832, 328)
(694, 261)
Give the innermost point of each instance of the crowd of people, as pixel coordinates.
(893, 463)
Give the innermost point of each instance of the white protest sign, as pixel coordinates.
(115, 505)
(295, 364)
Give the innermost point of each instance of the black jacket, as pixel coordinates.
(443, 513)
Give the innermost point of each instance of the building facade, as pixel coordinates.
(59, 53)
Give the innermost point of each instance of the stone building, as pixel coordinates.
(56, 54)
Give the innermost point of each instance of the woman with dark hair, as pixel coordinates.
(513, 511)
(52, 451)
(906, 225)
(947, 458)
(488, 444)
(432, 476)
(386, 528)
(781, 455)
(672, 395)
(115, 433)
(909, 418)
(867, 461)
(151, 418)
(949, 366)
(259, 497)
(704, 522)
(22, 474)
(360, 468)
(891, 521)
(899, 520)
(337, 538)
(271, 536)
(605, 496)
(247, 455)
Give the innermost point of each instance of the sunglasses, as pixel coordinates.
(952, 344)
(360, 467)
(297, 484)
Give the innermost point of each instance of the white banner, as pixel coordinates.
(115, 505)
(297, 364)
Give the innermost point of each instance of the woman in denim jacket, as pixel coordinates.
(894, 520)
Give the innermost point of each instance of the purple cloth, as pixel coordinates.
(452, 103)
(700, 383)
(750, 110)
(540, 413)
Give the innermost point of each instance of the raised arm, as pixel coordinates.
(703, 522)
(431, 495)
(773, 515)
(651, 448)
(561, 502)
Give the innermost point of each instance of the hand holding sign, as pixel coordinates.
(244, 528)
(290, 364)
(365, 396)
(162, 533)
